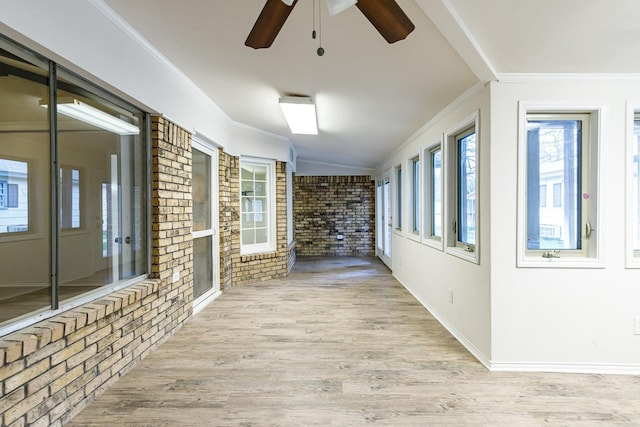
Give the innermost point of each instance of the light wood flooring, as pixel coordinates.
(341, 343)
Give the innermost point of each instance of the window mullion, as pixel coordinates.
(55, 185)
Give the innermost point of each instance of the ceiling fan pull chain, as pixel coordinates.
(320, 50)
(313, 33)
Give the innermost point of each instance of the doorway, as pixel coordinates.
(383, 215)
(206, 244)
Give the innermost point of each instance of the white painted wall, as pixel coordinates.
(548, 319)
(428, 272)
(84, 36)
(563, 319)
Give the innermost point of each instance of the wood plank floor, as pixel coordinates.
(341, 343)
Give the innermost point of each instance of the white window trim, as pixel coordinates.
(632, 258)
(411, 233)
(270, 245)
(427, 235)
(449, 168)
(595, 255)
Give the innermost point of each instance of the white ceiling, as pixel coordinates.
(371, 96)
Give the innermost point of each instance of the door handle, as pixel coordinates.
(117, 240)
(587, 229)
(127, 240)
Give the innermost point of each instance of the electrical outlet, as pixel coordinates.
(636, 325)
(450, 297)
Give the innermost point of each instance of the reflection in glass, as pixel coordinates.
(553, 160)
(102, 192)
(202, 266)
(436, 193)
(25, 235)
(467, 188)
(201, 192)
(14, 196)
(69, 198)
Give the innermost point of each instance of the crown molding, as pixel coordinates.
(139, 39)
(565, 77)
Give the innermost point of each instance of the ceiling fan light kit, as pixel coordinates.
(300, 113)
(385, 15)
(337, 6)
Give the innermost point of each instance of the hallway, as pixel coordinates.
(337, 343)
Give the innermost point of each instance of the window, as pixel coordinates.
(415, 196)
(257, 186)
(543, 195)
(557, 195)
(399, 197)
(559, 149)
(74, 234)
(554, 154)
(69, 198)
(465, 222)
(14, 192)
(433, 196)
(634, 189)
(461, 153)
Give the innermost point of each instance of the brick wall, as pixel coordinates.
(51, 370)
(327, 206)
(229, 195)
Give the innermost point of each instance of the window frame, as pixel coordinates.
(633, 188)
(398, 198)
(463, 250)
(270, 245)
(590, 254)
(429, 237)
(414, 229)
(53, 73)
(81, 202)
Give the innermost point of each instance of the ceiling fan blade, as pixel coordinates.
(390, 21)
(268, 25)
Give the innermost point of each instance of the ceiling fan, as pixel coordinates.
(385, 15)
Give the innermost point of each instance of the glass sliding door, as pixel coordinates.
(101, 191)
(73, 190)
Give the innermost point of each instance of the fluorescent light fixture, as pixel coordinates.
(95, 117)
(300, 113)
(337, 6)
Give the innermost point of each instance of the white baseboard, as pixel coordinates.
(452, 329)
(573, 368)
(550, 367)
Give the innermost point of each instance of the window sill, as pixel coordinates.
(433, 243)
(566, 262)
(464, 255)
(414, 236)
(258, 257)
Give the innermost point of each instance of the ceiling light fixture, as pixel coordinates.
(300, 113)
(335, 6)
(86, 113)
